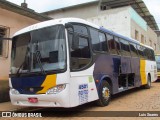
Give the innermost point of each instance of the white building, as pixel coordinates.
(158, 45)
(129, 18)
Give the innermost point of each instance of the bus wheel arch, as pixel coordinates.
(107, 79)
(148, 85)
(105, 92)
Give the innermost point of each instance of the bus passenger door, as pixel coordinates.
(82, 85)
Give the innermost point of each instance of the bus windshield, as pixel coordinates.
(158, 62)
(41, 50)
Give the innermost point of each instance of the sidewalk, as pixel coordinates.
(7, 106)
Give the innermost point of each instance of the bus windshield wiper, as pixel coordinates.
(18, 71)
(38, 58)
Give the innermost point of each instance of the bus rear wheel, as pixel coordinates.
(148, 85)
(104, 94)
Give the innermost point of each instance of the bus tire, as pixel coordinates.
(104, 94)
(148, 85)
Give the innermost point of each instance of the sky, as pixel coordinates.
(46, 5)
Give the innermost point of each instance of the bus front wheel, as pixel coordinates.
(104, 94)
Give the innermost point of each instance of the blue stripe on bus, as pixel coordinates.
(23, 84)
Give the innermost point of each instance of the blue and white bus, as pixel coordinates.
(68, 62)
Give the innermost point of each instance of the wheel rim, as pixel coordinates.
(106, 93)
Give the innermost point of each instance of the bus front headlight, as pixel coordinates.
(56, 89)
(14, 91)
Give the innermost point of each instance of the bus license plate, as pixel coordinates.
(33, 100)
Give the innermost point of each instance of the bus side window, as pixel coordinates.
(117, 45)
(103, 42)
(70, 38)
(150, 54)
(140, 51)
(80, 54)
(80, 29)
(147, 54)
(134, 51)
(111, 44)
(98, 40)
(125, 49)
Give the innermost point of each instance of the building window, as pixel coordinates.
(142, 39)
(3, 44)
(104, 7)
(150, 43)
(2, 34)
(136, 34)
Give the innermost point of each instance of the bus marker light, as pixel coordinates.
(32, 100)
(97, 81)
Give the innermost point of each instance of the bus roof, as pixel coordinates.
(147, 46)
(119, 35)
(54, 22)
(67, 20)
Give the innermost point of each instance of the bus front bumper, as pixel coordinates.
(43, 100)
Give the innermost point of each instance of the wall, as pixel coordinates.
(117, 20)
(138, 19)
(124, 20)
(138, 24)
(158, 41)
(158, 46)
(141, 31)
(113, 19)
(151, 35)
(85, 11)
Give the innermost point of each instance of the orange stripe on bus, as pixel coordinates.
(143, 72)
(48, 83)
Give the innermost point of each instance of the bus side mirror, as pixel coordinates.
(75, 41)
(68, 25)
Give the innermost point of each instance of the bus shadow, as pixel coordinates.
(158, 80)
(127, 93)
